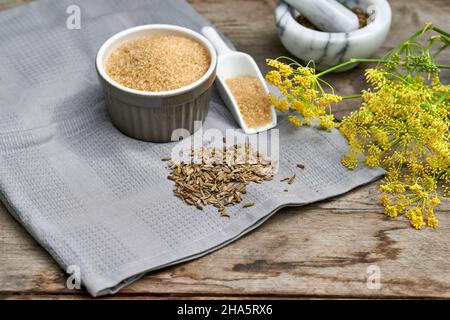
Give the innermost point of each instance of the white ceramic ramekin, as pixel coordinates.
(154, 116)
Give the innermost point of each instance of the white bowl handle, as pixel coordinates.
(213, 36)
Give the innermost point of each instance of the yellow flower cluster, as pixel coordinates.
(301, 94)
(403, 126)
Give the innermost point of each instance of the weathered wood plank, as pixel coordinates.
(321, 250)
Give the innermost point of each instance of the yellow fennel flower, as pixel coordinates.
(295, 120)
(327, 122)
(350, 160)
(301, 92)
(282, 105)
(273, 77)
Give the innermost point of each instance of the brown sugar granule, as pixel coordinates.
(158, 62)
(251, 99)
(362, 18)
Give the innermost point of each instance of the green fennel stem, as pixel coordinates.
(438, 30)
(413, 37)
(443, 66)
(353, 96)
(349, 62)
(442, 98)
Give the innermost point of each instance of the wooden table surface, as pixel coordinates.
(318, 251)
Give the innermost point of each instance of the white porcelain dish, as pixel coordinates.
(156, 116)
(235, 64)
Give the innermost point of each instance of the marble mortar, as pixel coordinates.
(327, 49)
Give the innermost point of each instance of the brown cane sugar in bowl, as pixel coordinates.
(158, 62)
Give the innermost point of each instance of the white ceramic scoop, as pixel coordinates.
(235, 64)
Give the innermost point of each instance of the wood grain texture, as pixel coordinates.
(317, 251)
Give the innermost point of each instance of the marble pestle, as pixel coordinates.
(327, 15)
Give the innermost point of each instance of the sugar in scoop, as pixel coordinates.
(242, 86)
(251, 99)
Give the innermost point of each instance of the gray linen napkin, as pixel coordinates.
(97, 199)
